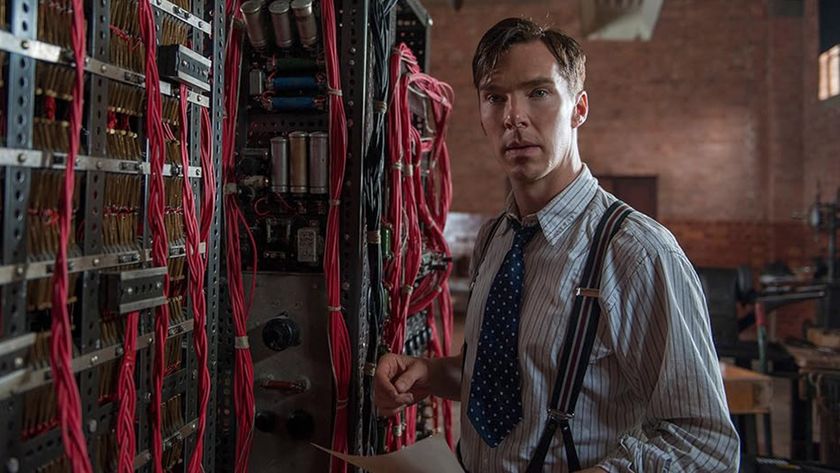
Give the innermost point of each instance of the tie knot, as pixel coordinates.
(523, 233)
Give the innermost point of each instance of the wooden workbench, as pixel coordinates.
(747, 392)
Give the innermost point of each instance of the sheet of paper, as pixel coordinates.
(430, 455)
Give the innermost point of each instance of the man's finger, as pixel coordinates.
(406, 381)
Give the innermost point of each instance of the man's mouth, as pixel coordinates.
(521, 150)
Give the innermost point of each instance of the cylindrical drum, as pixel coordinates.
(305, 18)
(318, 170)
(255, 24)
(281, 22)
(298, 175)
(279, 164)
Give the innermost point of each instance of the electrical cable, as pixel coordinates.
(61, 344)
(374, 164)
(339, 339)
(127, 395)
(197, 268)
(156, 220)
(244, 407)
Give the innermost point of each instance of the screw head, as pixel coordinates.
(24, 44)
(21, 158)
(92, 425)
(19, 270)
(18, 362)
(95, 262)
(94, 359)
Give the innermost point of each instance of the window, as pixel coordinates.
(829, 58)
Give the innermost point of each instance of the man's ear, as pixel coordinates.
(581, 110)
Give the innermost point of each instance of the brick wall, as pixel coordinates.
(821, 121)
(721, 105)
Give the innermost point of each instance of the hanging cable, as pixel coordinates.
(374, 164)
(197, 268)
(61, 344)
(160, 243)
(339, 339)
(127, 395)
(243, 366)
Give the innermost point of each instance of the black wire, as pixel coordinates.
(374, 168)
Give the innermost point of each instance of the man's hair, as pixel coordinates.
(504, 34)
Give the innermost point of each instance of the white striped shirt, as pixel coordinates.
(652, 398)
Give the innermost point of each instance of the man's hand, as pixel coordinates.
(400, 381)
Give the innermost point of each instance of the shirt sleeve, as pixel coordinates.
(663, 343)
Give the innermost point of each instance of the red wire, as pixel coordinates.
(127, 396)
(339, 339)
(421, 207)
(61, 344)
(208, 176)
(197, 269)
(160, 243)
(243, 368)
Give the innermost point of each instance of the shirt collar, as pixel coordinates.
(559, 214)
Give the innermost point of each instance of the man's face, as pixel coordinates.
(529, 114)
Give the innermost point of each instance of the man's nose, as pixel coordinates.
(515, 114)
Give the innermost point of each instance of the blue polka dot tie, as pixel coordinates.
(495, 404)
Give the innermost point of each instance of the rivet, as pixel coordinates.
(94, 359)
(95, 262)
(92, 425)
(103, 68)
(19, 270)
(24, 44)
(21, 158)
(18, 362)
(12, 465)
(99, 165)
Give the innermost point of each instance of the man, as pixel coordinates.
(652, 397)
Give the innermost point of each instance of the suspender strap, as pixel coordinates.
(577, 345)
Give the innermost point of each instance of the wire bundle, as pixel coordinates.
(339, 339)
(243, 365)
(126, 440)
(418, 209)
(373, 176)
(160, 243)
(197, 269)
(61, 343)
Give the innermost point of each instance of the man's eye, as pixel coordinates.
(494, 98)
(539, 93)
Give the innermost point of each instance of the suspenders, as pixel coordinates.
(577, 345)
(580, 337)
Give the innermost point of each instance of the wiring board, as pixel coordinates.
(111, 277)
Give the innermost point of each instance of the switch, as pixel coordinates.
(265, 421)
(300, 425)
(281, 333)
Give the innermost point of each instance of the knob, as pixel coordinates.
(281, 333)
(300, 425)
(265, 421)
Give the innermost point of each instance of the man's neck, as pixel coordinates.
(531, 197)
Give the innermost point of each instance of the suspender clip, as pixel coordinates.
(587, 292)
(558, 415)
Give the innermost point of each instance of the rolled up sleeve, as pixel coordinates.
(664, 345)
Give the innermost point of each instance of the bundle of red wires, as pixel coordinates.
(197, 268)
(61, 344)
(160, 242)
(243, 365)
(421, 208)
(127, 395)
(339, 339)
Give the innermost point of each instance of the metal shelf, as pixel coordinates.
(26, 379)
(37, 159)
(183, 15)
(55, 54)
